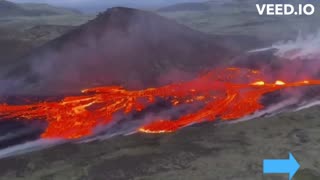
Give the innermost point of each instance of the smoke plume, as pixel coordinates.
(299, 57)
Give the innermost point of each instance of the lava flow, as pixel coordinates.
(227, 94)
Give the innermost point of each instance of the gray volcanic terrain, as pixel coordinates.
(137, 49)
(22, 16)
(8, 9)
(121, 46)
(240, 17)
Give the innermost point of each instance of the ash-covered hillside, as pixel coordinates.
(121, 46)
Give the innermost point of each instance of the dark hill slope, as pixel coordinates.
(121, 46)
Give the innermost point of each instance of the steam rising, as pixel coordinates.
(29, 147)
(304, 49)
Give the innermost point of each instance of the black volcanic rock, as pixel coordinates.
(121, 46)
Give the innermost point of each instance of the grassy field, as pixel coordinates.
(24, 22)
(241, 18)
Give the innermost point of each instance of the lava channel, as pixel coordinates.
(225, 94)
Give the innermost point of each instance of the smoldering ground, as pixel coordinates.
(298, 59)
(126, 125)
(120, 47)
(122, 125)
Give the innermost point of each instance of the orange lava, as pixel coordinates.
(227, 94)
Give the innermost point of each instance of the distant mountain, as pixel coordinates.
(8, 9)
(120, 47)
(94, 6)
(206, 5)
(192, 6)
(37, 7)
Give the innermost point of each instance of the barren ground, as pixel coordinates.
(202, 152)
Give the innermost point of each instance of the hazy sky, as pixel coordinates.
(97, 5)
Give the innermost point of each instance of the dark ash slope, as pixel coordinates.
(121, 46)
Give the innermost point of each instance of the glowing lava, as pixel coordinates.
(280, 83)
(227, 94)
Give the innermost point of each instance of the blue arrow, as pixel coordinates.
(278, 166)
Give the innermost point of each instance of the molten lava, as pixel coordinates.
(227, 94)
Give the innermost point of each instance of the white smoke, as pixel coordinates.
(304, 47)
(124, 125)
(29, 147)
(307, 105)
(270, 111)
